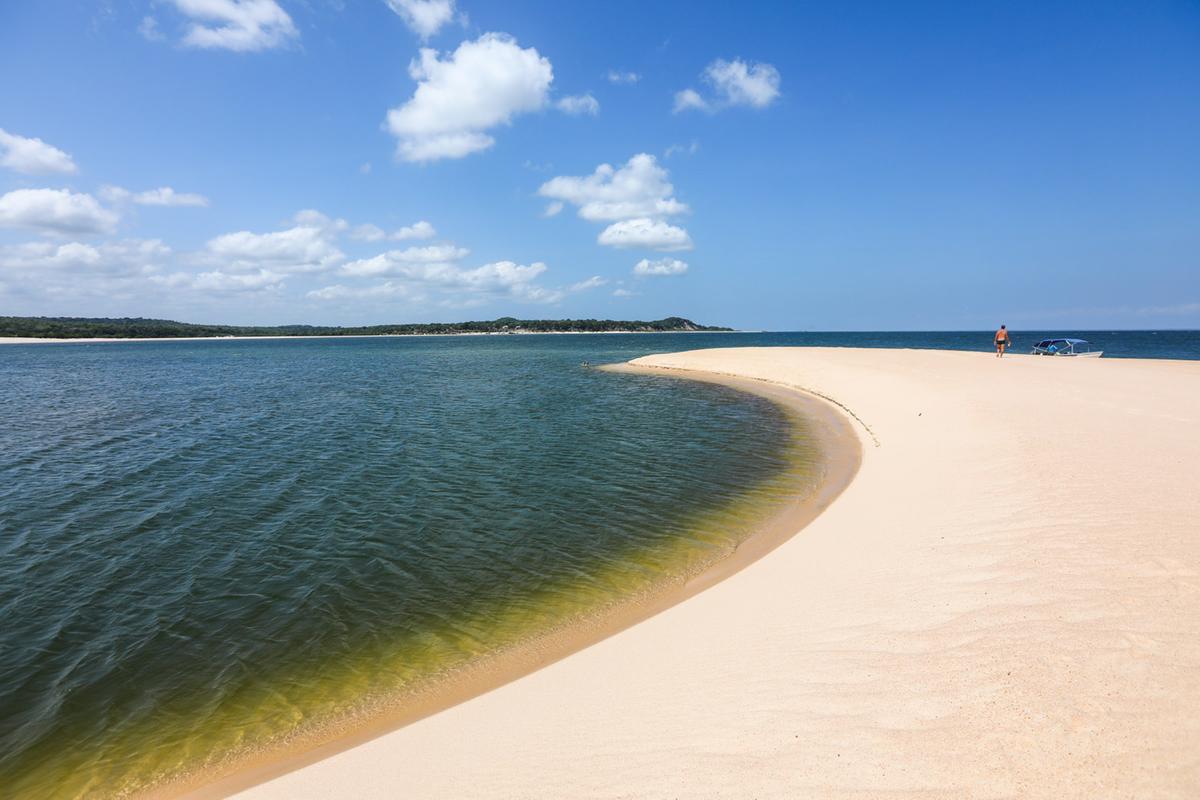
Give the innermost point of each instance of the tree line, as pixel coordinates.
(141, 328)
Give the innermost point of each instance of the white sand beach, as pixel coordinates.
(1005, 602)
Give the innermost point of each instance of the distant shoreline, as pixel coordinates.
(115, 340)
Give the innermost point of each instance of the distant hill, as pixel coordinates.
(139, 328)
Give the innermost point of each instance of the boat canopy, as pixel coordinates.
(1069, 345)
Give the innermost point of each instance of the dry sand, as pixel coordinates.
(1005, 602)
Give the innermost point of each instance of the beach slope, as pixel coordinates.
(1005, 602)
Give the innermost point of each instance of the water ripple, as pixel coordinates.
(206, 546)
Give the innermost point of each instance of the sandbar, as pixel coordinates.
(1003, 602)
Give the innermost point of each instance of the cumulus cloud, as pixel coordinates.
(734, 83)
(660, 267)
(238, 25)
(78, 271)
(639, 188)
(648, 233)
(374, 233)
(482, 84)
(218, 281)
(162, 196)
(309, 246)
(413, 262)
(575, 105)
(423, 17)
(55, 211)
(689, 98)
(617, 76)
(125, 256)
(32, 156)
(409, 268)
(742, 84)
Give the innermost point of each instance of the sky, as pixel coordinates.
(772, 165)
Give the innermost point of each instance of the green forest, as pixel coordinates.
(138, 328)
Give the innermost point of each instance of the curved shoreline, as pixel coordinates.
(840, 456)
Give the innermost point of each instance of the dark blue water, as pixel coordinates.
(1174, 344)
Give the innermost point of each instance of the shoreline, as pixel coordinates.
(1004, 602)
(840, 448)
(118, 340)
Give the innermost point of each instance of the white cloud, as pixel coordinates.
(424, 17)
(418, 230)
(166, 196)
(735, 83)
(125, 256)
(623, 292)
(364, 168)
(660, 267)
(86, 274)
(369, 232)
(409, 268)
(162, 196)
(222, 282)
(482, 84)
(239, 25)
(553, 209)
(148, 28)
(575, 105)
(617, 76)
(32, 156)
(689, 98)
(689, 149)
(312, 218)
(591, 283)
(401, 262)
(307, 247)
(742, 84)
(640, 188)
(390, 289)
(644, 232)
(55, 211)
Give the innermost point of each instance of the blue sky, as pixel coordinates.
(788, 166)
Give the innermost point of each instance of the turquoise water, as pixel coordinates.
(208, 547)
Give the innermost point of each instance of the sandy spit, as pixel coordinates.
(1005, 602)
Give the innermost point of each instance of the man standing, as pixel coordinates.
(1002, 342)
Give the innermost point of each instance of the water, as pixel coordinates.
(206, 547)
(1176, 344)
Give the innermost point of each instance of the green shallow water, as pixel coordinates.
(209, 549)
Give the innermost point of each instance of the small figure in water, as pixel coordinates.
(1002, 342)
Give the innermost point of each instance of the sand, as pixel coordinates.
(1004, 602)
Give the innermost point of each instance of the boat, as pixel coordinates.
(1066, 347)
